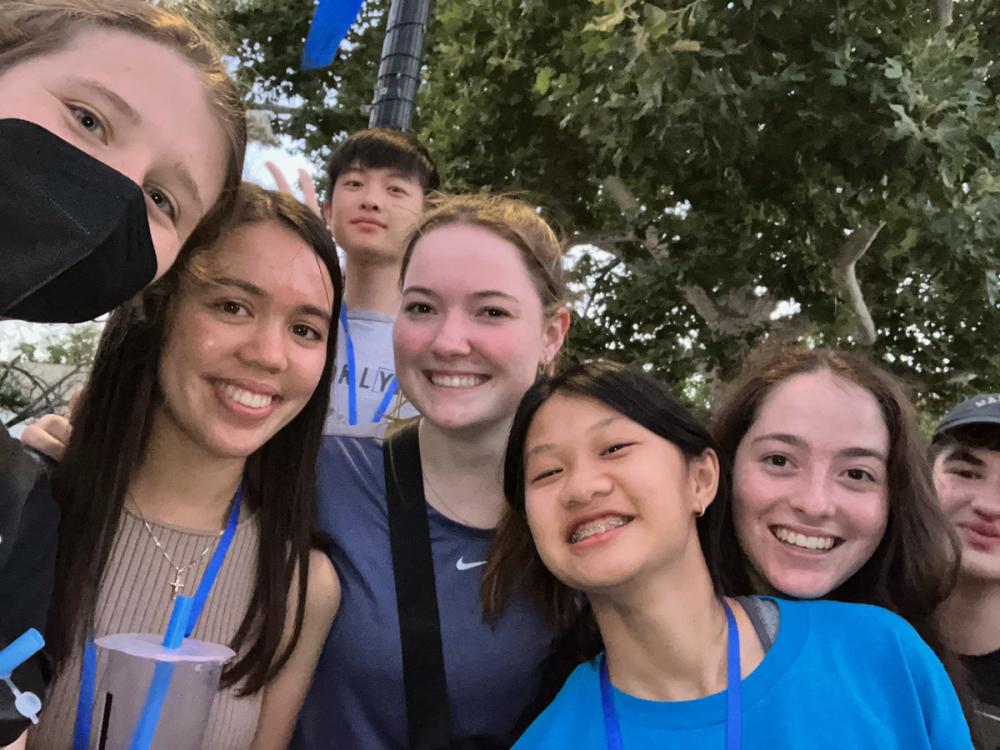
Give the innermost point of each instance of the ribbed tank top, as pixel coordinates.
(135, 597)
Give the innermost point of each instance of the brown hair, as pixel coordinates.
(110, 437)
(29, 28)
(914, 566)
(511, 219)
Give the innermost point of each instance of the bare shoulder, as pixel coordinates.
(323, 594)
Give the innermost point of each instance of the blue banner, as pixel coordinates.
(330, 24)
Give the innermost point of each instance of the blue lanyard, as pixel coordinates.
(613, 731)
(352, 382)
(85, 703)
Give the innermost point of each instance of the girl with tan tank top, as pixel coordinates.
(216, 378)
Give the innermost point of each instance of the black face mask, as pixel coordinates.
(74, 234)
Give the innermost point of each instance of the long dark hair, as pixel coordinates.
(110, 437)
(514, 566)
(514, 563)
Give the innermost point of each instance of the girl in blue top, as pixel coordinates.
(832, 495)
(607, 476)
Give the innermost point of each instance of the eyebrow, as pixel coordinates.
(255, 291)
(188, 183)
(477, 295)
(124, 108)
(393, 174)
(797, 442)
(781, 437)
(542, 447)
(965, 456)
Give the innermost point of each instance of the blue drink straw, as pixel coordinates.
(18, 652)
(145, 729)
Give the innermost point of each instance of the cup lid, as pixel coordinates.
(150, 646)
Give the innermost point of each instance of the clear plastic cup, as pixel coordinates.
(169, 691)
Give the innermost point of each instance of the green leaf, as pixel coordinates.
(658, 22)
(685, 45)
(607, 23)
(543, 79)
(893, 69)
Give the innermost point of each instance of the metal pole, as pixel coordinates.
(399, 72)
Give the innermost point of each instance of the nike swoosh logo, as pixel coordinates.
(463, 565)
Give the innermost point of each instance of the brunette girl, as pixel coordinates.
(202, 419)
(608, 478)
(832, 492)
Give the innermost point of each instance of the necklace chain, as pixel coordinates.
(437, 496)
(180, 572)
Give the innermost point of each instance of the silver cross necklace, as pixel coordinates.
(180, 571)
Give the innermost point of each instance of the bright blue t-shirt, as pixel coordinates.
(357, 700)
(838, 676)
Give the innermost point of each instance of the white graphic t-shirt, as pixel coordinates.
(374, 376)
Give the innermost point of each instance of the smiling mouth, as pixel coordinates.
(246, 398)
(598, 526)
(804, 541)
(457, 381)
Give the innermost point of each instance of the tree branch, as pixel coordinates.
(736, 312)
(259, 127)
(621, 194)
(944, 8)
(603, 240)
(845, 275)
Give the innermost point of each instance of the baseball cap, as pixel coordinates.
(981, 409)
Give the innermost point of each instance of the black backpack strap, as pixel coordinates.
(416, 596)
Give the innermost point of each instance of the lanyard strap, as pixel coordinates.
(352, 382)
(215, 564)
(88, 676)
(612, 729)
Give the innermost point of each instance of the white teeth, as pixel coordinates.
(801, 540)
(598, 526)
(457, 381)
(247, 398)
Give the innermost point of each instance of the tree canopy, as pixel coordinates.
(840, 158)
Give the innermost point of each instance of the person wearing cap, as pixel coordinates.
(966, 456)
